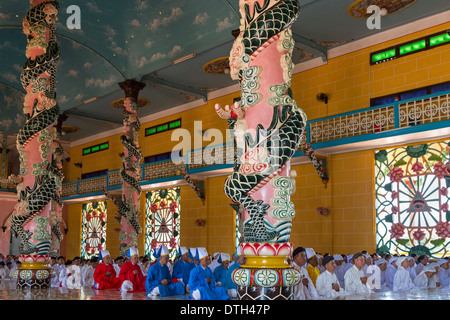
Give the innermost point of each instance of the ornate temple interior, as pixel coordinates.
(252, 126)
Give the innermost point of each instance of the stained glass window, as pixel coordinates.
(162, 220)
(93, 229)
(412, 201)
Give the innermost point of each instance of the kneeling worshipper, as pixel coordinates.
(402, 278)
(305, 289)
(422, 281)
(339, 271)
(202, 282)
(355, 279)
(130, 275)
(391, 269)
(313, 262)
(220, 272)
(182, 267)
(443, 272)
(230, 286)
(159, 280)
(327, 283)
(104, 275)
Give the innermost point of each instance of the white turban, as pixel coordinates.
(400, 260)
(337, 257)
(380, 261)
(310, 253)
(183, 250)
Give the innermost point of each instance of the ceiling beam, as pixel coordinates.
(312, 46)
(154, 81)
(89, 116)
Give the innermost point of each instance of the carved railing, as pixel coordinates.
(364, 123)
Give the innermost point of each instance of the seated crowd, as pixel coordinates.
(199, 276)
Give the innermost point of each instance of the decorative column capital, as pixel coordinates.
(131, 88)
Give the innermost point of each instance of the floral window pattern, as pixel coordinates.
(162, 220)
(93, 229)
(412, 200)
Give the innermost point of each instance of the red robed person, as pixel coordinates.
(105, 276)
(131, 277)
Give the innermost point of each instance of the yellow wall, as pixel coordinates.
(350, 226)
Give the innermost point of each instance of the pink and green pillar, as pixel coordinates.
(39, 168)
(268, 127)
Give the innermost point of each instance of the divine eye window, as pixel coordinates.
(411, 199)
(93, 229)
(162, 220)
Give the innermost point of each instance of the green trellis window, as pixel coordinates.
(162, 220)
(412, 201)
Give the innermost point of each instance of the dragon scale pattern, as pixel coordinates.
(265, 25)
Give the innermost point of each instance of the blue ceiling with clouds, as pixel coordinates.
(129, 39)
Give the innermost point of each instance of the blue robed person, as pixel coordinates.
(202, 283)
(220, 272)
(229, 284)
(159, 280)
(182, 268)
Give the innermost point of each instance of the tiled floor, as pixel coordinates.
(8, 291)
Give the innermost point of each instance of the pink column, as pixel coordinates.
(268, 127)
(35, 143)
(128, 206)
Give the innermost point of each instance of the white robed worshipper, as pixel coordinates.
(402, 278)
(305, 289)
(443, 276)
(355, 279)
(327, 283)
(320, 265)
(368, 263)
(423, 261)
(390, 271)
(214, 263)
(339, 271)
(412, 267)
(88, 275)
(349, 263)
(423, 278)
(434, 280)
(382, 265)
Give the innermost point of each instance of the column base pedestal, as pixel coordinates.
(265, 293)
(34, 276)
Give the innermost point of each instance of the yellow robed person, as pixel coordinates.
(313, 262)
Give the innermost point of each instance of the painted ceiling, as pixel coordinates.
(139, 39)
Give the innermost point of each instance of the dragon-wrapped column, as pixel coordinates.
(267, 126)
(40, 176)
(128, 207)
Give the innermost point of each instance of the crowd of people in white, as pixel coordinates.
(323, 276)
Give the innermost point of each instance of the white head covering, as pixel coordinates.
(239, 252)
(349, 257)
(337, 257)
(223, 257)
(442, 261)
(202, 253)
(428, 268)
(434, 265)
(393, 259)
(380, 261)
(103, 253)
(163, 251)
(132, 251)
(183, 250)
(400, 260)
(309, 253)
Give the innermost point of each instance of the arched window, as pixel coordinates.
(412, 200)
(93, 229)
(162, 220)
